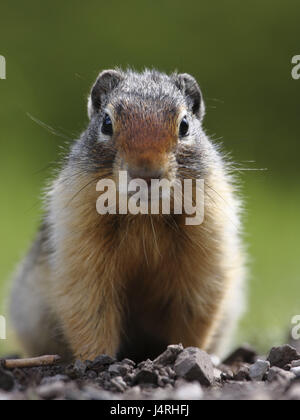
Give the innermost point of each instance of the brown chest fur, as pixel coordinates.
(151, 278)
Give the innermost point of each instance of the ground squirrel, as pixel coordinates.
(127, 285)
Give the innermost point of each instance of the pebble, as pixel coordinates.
(129, 362)
(102, 362)
(119, 369)
(244, 354)
(258, 371)
(91, 374)
(194, 364)
(119, 383)
(282, 356)
(295, 363)
(296, 371)
(218, 374)
(169, 356)
(80, 367)
(6, 380)
(243, 374)
(146, 376)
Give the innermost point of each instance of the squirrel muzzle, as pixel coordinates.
(145, 146)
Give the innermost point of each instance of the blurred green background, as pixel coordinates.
(240, 53)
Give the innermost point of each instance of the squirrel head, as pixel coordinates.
(145, 120)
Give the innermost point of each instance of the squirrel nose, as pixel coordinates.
(145, 174)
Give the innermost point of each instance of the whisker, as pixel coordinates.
(83, 188)
(154, 235)
(48, 127)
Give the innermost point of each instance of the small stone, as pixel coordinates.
(295, 363)
(259, 370)
(91, 374)
(166, 380)
(218, 374)
(88, 364)
(243, 374)
(194, 364)
(102, 362)
(280, 375)
(118, 369)
(119, 384)
(282, 356)
(6, 380)
(129, 362)
(244, 354)
(104, 376)
(146, 376)
(226, 371)
(129, 378)
(148, 364)
(296, 371)
(169, 356)
(80, 367)
(170, 372)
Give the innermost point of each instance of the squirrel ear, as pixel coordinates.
(106, 82)
(188, 85)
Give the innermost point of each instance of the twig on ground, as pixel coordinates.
(28, 363)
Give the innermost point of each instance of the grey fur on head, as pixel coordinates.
(150, 83)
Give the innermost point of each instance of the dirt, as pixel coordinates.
(177, 374)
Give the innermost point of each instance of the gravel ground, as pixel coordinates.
(177, 374)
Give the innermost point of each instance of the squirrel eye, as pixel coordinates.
(107, 127)
(184, 127)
